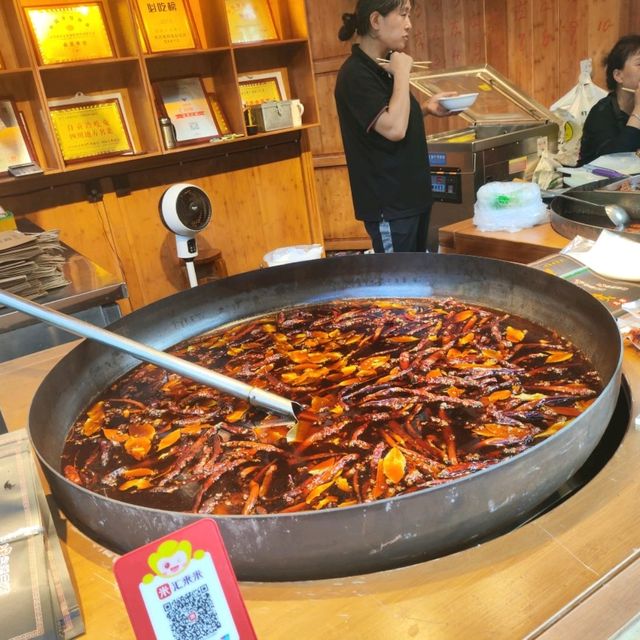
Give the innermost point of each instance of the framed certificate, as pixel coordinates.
(218, 114)
(90, 127)
(256, 88)
(185, 102)
(14, 139)
(69, 32)
(250, 21)
(166, 26)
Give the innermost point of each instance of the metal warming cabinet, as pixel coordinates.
(506, 130)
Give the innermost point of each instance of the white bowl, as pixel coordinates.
(459, 103)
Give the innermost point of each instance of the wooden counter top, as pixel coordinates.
(523, 246)
(505, 588)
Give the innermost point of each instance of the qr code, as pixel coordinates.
(193, 616)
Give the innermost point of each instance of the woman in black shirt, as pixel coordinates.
(383, 129)
(613, 124)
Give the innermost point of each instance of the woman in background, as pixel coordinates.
(382, 127)
(613, 124)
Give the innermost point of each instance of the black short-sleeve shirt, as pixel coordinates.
(606, 131)
(389, 180)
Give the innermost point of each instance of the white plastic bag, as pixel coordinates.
(509, 206)
(546, 173)
(573, 109)
(295, 253)
(611, 255)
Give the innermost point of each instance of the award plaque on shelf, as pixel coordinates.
(166, 26)
(218, 114)
(90, 127)
(14, 139)
(256, 88)
(186, 104)
(69, 32)
(250, 21)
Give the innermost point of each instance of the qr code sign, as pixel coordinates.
(192, 616)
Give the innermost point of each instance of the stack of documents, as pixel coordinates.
(35, 586)
(31, 264)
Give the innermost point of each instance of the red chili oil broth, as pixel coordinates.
(408, 394)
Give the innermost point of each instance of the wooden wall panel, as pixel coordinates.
(495, 27)
(473, 23)
(519, 33)
(572, 43)
(326, 140)
(83, 225)
(536, 44)
(455, 45)
(334, 198)
(544, 40)
(256, 208)
(325, 20)
(259, 203)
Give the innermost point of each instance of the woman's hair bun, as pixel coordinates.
(348, 28)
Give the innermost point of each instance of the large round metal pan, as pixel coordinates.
(570, 218)
(367, 537)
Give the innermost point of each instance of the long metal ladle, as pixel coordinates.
(254, 395)
(617, 214)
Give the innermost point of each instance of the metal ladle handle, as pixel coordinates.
(581, 201)
(254, 395)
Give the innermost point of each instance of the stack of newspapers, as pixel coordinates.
(38, 599)
(31, 264)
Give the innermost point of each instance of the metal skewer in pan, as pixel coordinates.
(254, 395)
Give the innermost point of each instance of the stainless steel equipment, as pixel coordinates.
(366, 537)
(506, 130)
(570, 218)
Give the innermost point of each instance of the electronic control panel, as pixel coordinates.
(446, 184)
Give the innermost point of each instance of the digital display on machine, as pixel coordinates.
(438, 184)
(446, 185)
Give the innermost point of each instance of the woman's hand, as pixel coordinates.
(399, 64)
(433, 106)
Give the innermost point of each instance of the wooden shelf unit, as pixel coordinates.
(133, 71)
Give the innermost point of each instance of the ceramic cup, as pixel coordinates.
(297, 109)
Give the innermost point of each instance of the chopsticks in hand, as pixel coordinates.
(421, 64)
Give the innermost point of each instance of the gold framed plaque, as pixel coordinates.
(166, 26)
(250, 21)
(256, 88)
(70, 32)
(14, 138)
(218, 114)
(90, 129)
(186, 104)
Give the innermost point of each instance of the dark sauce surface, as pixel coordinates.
(400, 395)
